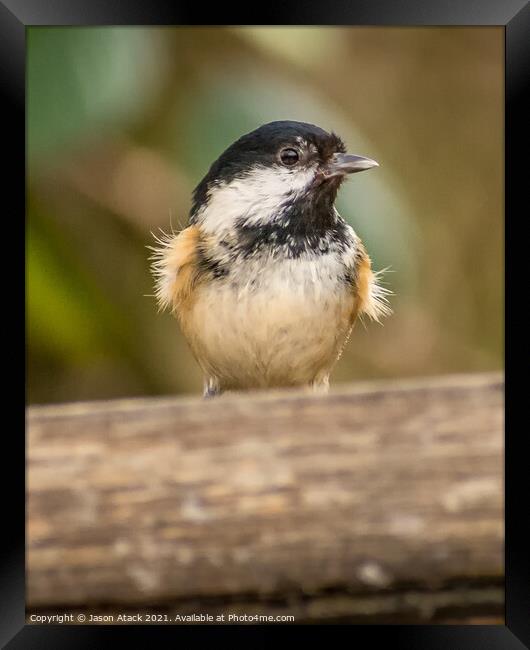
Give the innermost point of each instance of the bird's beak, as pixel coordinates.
(348, 163)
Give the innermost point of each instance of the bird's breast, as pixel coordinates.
(271, 321)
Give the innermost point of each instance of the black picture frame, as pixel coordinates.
(514, 15)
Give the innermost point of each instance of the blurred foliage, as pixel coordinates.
(123, 123)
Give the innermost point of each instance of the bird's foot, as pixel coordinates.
(211, 388)
(320, 385)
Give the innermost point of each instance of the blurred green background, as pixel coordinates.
(124, 122)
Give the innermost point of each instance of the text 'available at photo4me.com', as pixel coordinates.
(152, 618)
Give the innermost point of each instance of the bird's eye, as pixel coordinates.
(289, 157)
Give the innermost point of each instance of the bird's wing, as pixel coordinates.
(371, 297)
(175, 268)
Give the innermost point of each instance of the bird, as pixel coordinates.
(267, 279)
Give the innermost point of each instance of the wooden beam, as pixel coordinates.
(341, 503)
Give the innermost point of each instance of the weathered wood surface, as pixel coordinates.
(381, 498)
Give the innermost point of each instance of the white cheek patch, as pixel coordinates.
(257, 196)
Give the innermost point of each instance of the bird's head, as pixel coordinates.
(266, 175)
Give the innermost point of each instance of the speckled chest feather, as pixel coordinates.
(272, 316)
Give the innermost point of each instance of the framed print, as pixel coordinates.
(261, 387)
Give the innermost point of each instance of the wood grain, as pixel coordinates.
(334, 505)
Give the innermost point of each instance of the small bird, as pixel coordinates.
(268, 279)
